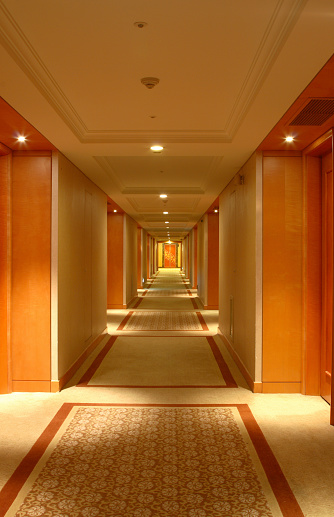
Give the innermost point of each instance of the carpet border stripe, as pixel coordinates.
(281, 489)
(223, 367)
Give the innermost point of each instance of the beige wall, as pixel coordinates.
(130, 260)
(202, 259)
(82, 264)
(144, 254)
(239, 246)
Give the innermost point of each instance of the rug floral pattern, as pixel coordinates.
(148, 462)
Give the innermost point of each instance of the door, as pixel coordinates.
(170, 255)
(327, 277)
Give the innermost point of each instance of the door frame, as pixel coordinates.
(312, 265)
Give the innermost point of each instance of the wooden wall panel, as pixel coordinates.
(313, 300)
(115, 228)
(31, 264)
(282, 269)
(195, 258)
(139, 259)
(5, 170)
(213, 261)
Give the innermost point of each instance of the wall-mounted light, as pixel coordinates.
(163, 196)
(166, 222)
(165, 213)
(156, 148)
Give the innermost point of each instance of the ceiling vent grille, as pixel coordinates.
(315, 113)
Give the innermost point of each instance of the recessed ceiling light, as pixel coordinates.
(163, 195)
(216, 210)
(156, 148)
(21, 138)
(289, 138)
(115, 210)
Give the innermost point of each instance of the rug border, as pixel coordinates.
(222, 365)
(278, 482)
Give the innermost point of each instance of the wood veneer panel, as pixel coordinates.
(282, 269)
(139, 259)
(5, 162)
(213, 261)
(115, 223)
(313, 273)
(195, 259)
(31, 266)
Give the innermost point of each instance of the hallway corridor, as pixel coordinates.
(158, 421)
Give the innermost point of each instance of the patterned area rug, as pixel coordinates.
(163, 320)
(150, 462)
(159, 362)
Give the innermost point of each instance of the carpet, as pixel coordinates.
(150, 461)
(163, 320)
(167, 303)
(159, 362)
(167, 292)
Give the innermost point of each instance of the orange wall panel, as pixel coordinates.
(31, 265)
(139, 259)
(282, 269)
(4, 270)
(213, 261)
(313, 274)
(115, 228)
(195, 259)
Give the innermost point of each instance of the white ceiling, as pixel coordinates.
(228, 70)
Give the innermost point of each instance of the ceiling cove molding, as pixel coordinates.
(105, 164)
(18, 46)
(168, 136)
(140, 208)
(191, 191)
(283, 20)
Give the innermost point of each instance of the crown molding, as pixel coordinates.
(18, 46)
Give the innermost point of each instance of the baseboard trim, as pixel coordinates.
(31, 386)
(281, 387)
(254, 386)
(76, 365)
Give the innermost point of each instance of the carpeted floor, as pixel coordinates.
(150, 362)
(150, 461)
(168, 427)
(163, 320)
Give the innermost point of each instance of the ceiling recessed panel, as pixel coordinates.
(175, 203)
(140, 172)
(190, 46)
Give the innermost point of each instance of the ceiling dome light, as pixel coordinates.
(156, 148)
(21, 138)
(289, 139)
(150, 82)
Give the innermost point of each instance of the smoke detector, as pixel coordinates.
(150, 82)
